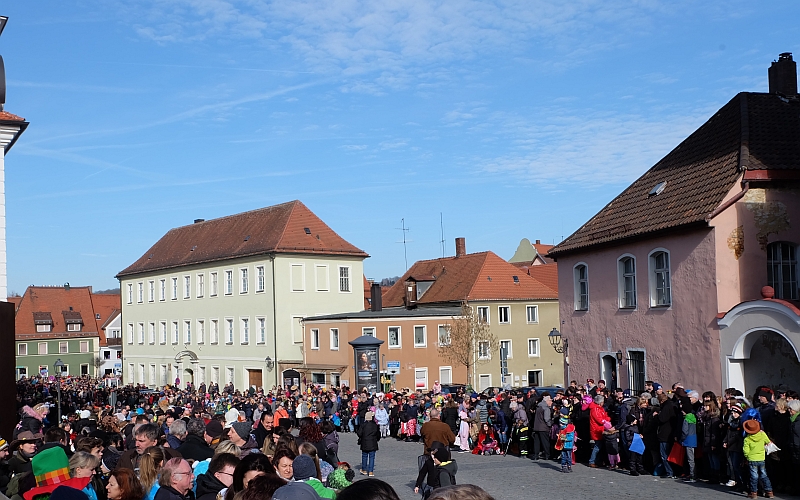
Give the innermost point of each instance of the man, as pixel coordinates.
(194, 446)
(436, 430)
(5, 473)
(239, 434)
(218, 477)
(213, 433)
(263, 430)
(177, 434)
(542, 421)
(144, 437)
(176, 481)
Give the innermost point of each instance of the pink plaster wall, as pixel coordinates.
(682, 341)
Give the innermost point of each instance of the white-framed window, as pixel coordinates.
(175, 332)
(532, 314)
(626, 277)
(534, 378)
(484, 381)
(22, 349)
(140, 333)
(533, 348)
(297, 329)
(162, 289)
(130, 293)
(344, 279)
(581, 280)
(321, 277)
(174, 288)
(782, 269)
(215, 374)
(201, 331)
(44, 328)
(230, 375)
(187, 287)
(152, 375)
(395, 337)
(229, 331)
(151, 291)
(151, 333)
(368, 330)
(214, 331)
(229, 282)
(334, 339)
(483, 350)
(244, 280)
(483, 314)
(261, 279)
(444, 335)
(162, 334)
(420, 336)
(503, 314)
(297, 277)
(445, 375)
(131, 373)
(507, 345)
(164, 375)
(130, 333)
(140, 292)
(315, 338)
(201, 285)
(73, 327)
(660, 284)
(261, 324)
(318, 378)
(42, 348)
(214, 277)
(187, 331)
(421, 378)
(63, 348)
(244, 330)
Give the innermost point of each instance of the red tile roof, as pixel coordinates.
(547, 274)
(15, 301)
(105, 305)
(751, 132)
(57, 301)
(10, 117)
(476, 276)
(275, 229)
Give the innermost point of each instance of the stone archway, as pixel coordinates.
(186, 371)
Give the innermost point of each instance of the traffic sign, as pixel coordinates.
(393, 367)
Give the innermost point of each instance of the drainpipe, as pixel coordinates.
(730, 202)
(274, 319)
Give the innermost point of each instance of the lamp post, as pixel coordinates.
(269, 363)
(58, 365)
(555, 340)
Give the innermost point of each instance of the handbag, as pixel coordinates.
(677, 454)
(771, 448)
(458, 441)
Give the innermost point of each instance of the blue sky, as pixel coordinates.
(510, 119)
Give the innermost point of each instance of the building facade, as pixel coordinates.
(223, 300)
(111, 352)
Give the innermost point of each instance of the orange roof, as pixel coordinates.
(10, 117)
(477, 276)
(105, 304)
(547, 274)
(287, 228)
(15, 301)
(57, 303)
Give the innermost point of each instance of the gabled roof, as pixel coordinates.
(476, 276)
(287, 228)
(106, 307)
(754, 132)
(54, 303)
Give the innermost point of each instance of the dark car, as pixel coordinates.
(453, 388)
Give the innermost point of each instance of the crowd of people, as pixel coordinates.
(133, 443)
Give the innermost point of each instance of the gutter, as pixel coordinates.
(730, 202)
(274, 320)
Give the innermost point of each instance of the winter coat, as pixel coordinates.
(753, 446)
(208, 486)
(712, 433)
(446, 473)
(436, 430)
(733, 436)
(611, 440)
(689, 431)
(381, 416)
(665, 417)
(450, 417)
(520, 415)
(543, 418)
(597, 419)
(483, 411)
(630, 431)
(169, 493)
(31, 421)
(368, 436)
(794, 436)
(195, 448)
(567, 436)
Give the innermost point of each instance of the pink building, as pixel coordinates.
(666, 282)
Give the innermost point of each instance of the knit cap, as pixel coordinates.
(295, 491)
(242, 429)
(214, 428)
(3, 444)
(338, 479)
(304, 468)
(565, 411)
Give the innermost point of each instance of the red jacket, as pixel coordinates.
(597, 417)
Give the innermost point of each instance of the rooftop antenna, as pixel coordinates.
(405, 230)
(441, 232)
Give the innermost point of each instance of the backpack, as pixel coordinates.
(451, 476)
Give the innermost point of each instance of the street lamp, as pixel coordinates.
(59, 365)
(555, 340)
(270, 364)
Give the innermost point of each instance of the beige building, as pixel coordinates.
(222, 300)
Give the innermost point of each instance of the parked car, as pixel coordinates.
(453, 388)
(525, 390)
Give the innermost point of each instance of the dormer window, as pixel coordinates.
(73, 320)
(43, 322)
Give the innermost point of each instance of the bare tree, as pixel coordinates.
(98, 363)
(469, 341)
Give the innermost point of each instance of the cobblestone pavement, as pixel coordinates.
(511, 478)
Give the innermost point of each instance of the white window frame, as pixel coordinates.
(229, 325)
(214, 278)
(302, 269)
(541, 377)
(399, 344)
(538, 349)
(334, 339)
(214, 333)
(500, 315)
(174, 288)
(345, 282)
(314, 337)
(510, 347)
(577, 286)
(653, 278)
(489, 375)
(151, 291)
(440, 373)
(187, 286)
(201, 285)
(488, 350)
(481, 311)
(151, 333)
(201, 331)
(140, 292)
(244, 330)
(131, 333)
(261, 279)
(369, 330)
(176, 333)
(162, 290)
(130, 293)
(244, 280)
(162, 334)
(187, 332)
(418, 370)
(228, 282)
(424, 336)
(44, 328)
(63, 347)
(326, 285)
(140, 333)
(73, 327)
(439, 335)
(535, 309)
(622, 275)
(261, 324)
(22, 346)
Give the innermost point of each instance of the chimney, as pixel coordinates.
(461, 247)
(198, 221)
(410, 299)
(538, 242)
(376, 300)
(783, 75)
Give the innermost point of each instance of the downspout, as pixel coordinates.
(730, 202)
(274, 319)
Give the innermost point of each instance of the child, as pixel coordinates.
(631, 431)
(566, 440)
(611, 439)
(755, 454)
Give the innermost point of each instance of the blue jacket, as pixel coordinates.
(689, 431)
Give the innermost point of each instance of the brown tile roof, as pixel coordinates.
(476, 276)
(547, 274)
(105, 305)
(10, 117)
(39, 302)
(751, 132)
(15, 301)
(278, 229)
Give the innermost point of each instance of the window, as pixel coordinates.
(421, 378)
(214, 331)
(244, 325)
(532, 314)
(445, 375)
(506, 344)
(151, 291)
(228, 282)
(187, 331)
(297, 330)
(534, 378)
(533, 348)
(344, 279)
(483, 349)
(140, 333)
(369, 330)
(262, 330)
(297, 277)
(175, 332)
(214, 284)
(321, 275)
(201, 331)
(318, 378)
(84, 346)
(201, 285)
(140, 292)
(503, 314)
(162, 289)
(63, 348)
(229, 375)
(420, 338)
(484, 381)
(130, 293)
(163, 332)
(334, 339)
(187, 287)
(637, 369)
(43, 328)
(229, 330)
(782, 270)
(151, 333)
(444, 335)
(626, 269)
(73, 327)
(106, 354)
(394, 337)
(660, 293)
(130, 333)
(260, 279)
(581, 276)
(174, 288)
(152, 375)
(244, 284)
(22, 349)
(315, 338)
(483, 314)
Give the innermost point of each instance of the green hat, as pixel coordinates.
(51, 469)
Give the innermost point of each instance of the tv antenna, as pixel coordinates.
(441, 232)
(405, 230)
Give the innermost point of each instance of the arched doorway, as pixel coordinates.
(188, 376)
(608, 370)
(290, 378)
(772, 362)
(185, 370)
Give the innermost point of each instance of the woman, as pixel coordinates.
(271, 443)
(331, 439)
(450, 415)
(149, 469)
(463, 431)
(83, 464)
(91, 445)
(282, 461)
(250, 467)
(124, 485)
(368, 436)
(712, 439)
(487, 441)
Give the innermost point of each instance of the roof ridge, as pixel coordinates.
(238, 214)
(278, 243)
(479, 273)
(452, 257)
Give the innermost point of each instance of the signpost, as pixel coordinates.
(393, 367)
